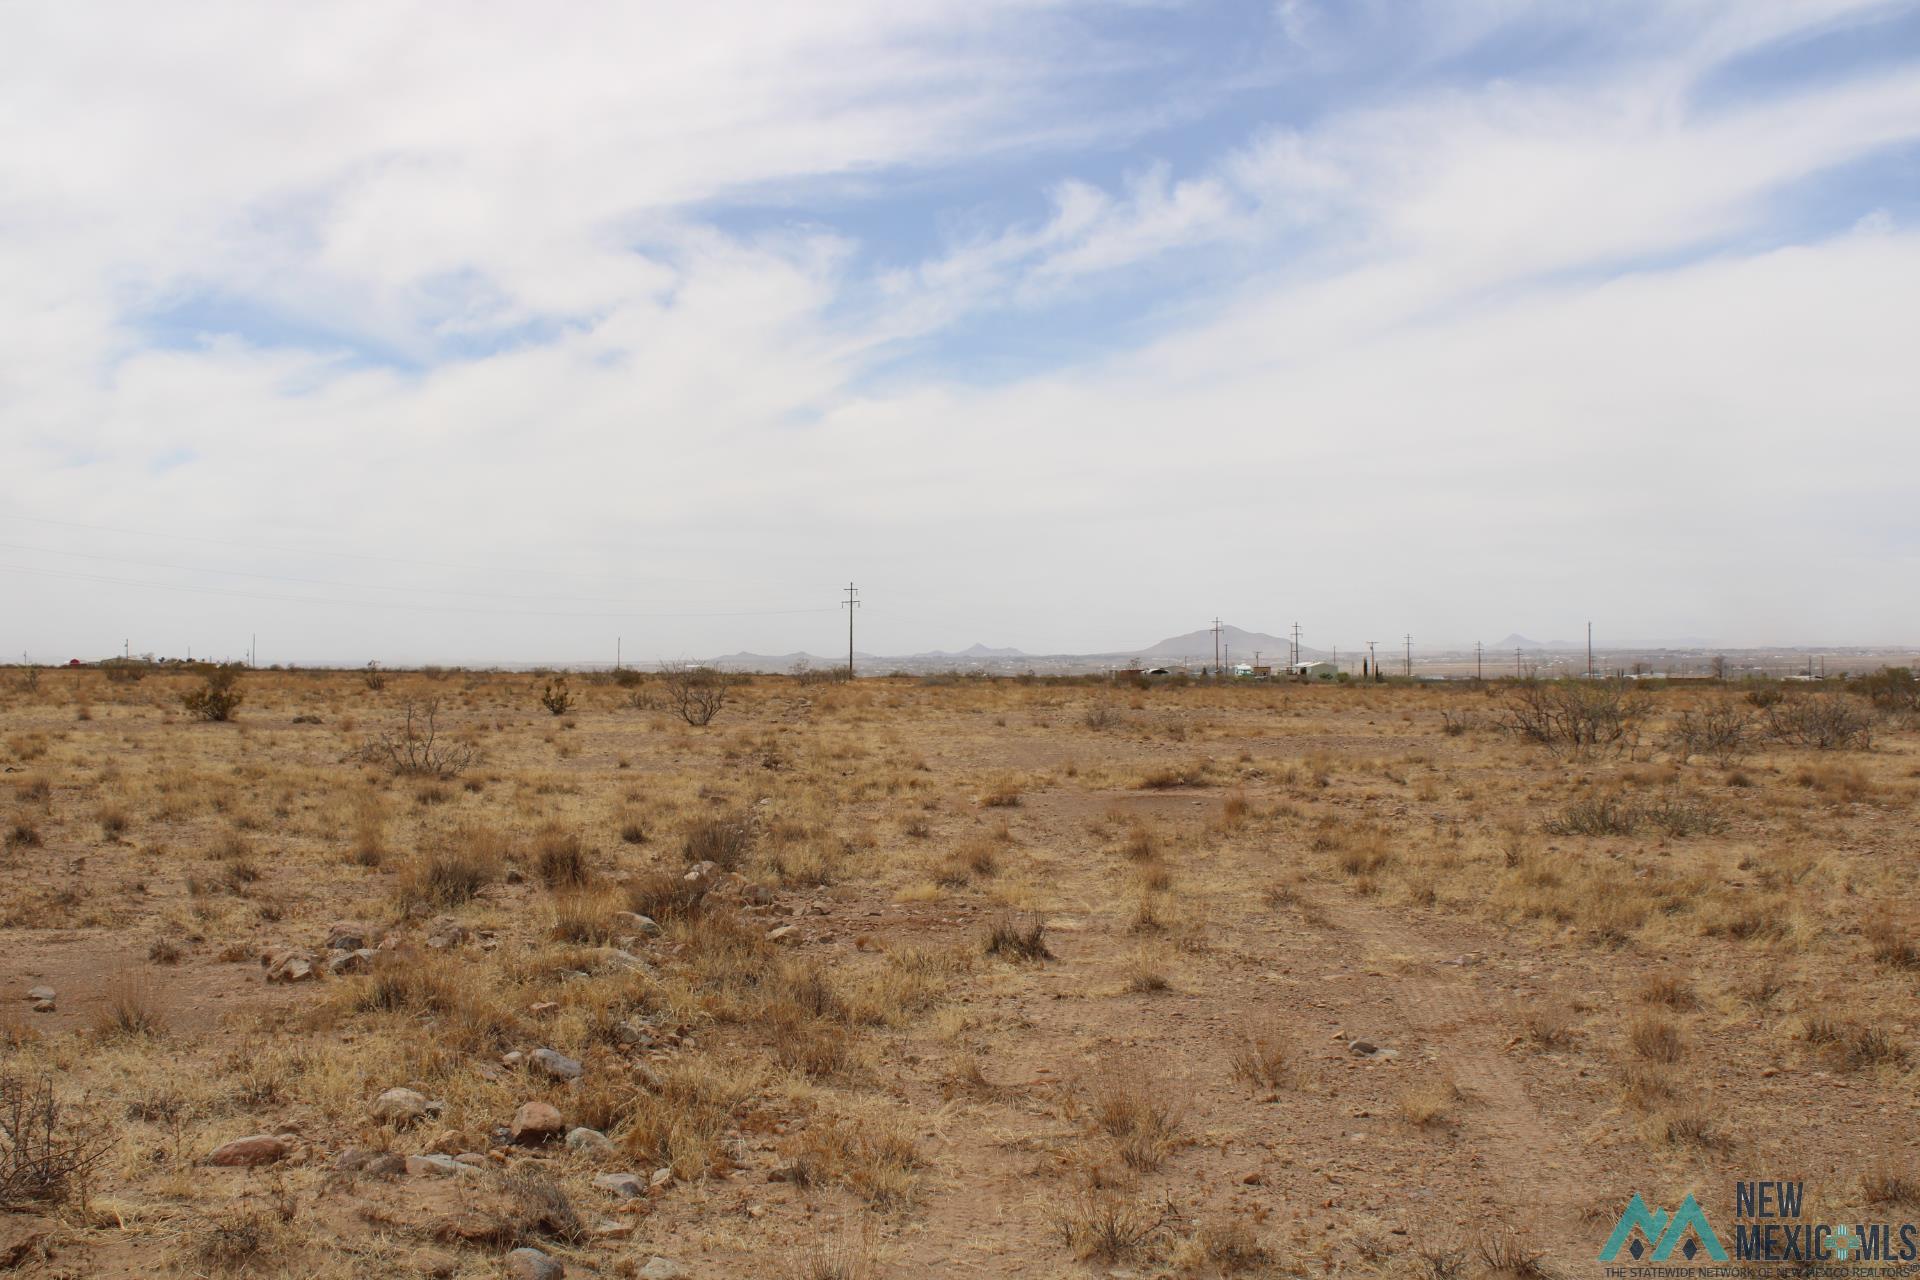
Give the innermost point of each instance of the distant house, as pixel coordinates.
(1243, 670)
(1313, 671)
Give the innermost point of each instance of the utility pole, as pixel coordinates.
(1373, 663)
(1478, 674)
(851, 603)
(616, 653)
(1216, 646)
(1296, 644)
(253, 650)
(1409, 655)
(1589, 648)
(1516, 660)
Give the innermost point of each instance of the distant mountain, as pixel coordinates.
(1241, 646)
(1518, 641)
(744, 661)
(974, 651)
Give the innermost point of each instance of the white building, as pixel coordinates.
(1313, 671)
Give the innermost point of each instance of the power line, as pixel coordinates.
(383, 604)
(851, 603)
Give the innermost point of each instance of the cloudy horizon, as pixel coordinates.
(1052, 325)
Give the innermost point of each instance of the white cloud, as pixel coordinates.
(1443, 366)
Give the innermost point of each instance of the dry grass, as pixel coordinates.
(894, 1044)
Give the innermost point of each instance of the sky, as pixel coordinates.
(497, 332)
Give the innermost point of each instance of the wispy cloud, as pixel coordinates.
(1408, 308)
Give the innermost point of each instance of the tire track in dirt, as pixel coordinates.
(1540, 1173)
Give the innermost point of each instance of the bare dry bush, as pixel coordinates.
(1575, 717)
(218, 696)
(696, 694)
(1722, 732)
(416, 747)
(1100, 1226)
(1822, 721)
(48, 1151)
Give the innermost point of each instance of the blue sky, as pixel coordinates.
(1058, 325)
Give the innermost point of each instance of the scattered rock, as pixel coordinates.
(584, 1139)
(780, 933)
(245, 1153)
(353, 1159)
(557, 1066)
(437, 1164)
(348, 935)
(291, 966)
(659, 1268)
(513, 1059)
(402, 1107)
(346, 962)
(543, 1007)
(660, 1178)
(633, 1033)
(531, 1264)
(634, 922)
(623, 961)
(450, 1142)
(44, 1006)
(625, 1185)
(390, 1165)
(535, 1123)
(40, 993)
(1362, 1048)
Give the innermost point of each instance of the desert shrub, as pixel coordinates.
(1574, 717)
(218, 696)
(373, 677)
(556, 697)
(48, 1151)
(1136, 1113)
(1656, 1039)
(1890, 689)
(1604, 813)
(415, 747)
(1893, 944)
(1265, 1059)
(584, 916)
(452, 874)
(1887, 1184)
(1018, 936)
(1608, 813)
(559, 857)
(1099, 716)
(695, 693)
(1679, 817)
(129, 1009)
(124, 670)
(722, 839)
(662, 894)
(1822, 721)
(1721, 732)
(1100, 1226)
(627, 678)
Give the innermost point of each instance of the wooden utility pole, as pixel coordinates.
(1216, 646)
(1478, 674)
(851, 603)
(1409, 655)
